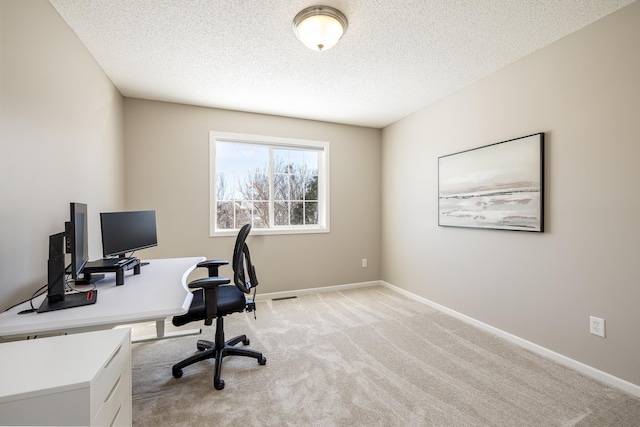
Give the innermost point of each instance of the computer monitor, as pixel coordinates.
(76, 242)
(124, 232)
(77, 239)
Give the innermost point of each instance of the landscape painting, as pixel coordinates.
(498, 186)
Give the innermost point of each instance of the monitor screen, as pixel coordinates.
(124, 232)
(77, 238)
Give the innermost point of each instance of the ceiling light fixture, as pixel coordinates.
(319, 27)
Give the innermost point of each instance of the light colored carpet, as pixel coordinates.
(367, 357)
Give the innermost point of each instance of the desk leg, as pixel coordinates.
(160, 328)
(161, 334)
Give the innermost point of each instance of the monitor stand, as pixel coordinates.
(69, 301)
(107, 265)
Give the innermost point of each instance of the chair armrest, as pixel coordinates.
(208, 283)
(212, 265)
(209, 286)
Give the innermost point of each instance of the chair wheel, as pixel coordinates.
(246, 341)
(262, 360)
(202, 345)
(177, 373)
(219, 385)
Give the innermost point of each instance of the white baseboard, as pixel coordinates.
(590, 371)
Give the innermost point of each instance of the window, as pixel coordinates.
(278, 185)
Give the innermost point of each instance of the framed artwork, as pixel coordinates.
(498, 186)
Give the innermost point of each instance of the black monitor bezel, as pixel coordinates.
(77, 238)
(105, 227)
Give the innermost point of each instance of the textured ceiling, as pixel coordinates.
(395, 58)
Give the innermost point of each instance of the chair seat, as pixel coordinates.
(230, 300)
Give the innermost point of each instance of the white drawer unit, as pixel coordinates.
(81, 379)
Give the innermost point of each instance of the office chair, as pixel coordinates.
(214, 299)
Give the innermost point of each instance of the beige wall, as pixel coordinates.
(60, 140)
(584, 93)
(167, 169)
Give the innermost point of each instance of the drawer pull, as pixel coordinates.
(115, 386)
(113, 422)
(113, 357)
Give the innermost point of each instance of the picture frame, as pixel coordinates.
(498, 186)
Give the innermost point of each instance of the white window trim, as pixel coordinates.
(324, 207)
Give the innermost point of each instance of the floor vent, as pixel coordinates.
(283, 298)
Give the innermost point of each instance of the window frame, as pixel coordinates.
(322, 147)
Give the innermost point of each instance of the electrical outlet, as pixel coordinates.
(364, 262)
(596, 326)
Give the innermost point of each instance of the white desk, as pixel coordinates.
(158, 292)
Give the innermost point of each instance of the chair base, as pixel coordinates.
(218, 350)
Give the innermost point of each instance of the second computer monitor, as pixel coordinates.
(77, 240)
(124, 232)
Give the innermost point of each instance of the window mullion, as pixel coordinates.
(271, 190)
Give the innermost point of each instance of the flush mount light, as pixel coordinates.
(319, 27)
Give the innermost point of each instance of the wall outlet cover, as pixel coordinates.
(596, 326)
